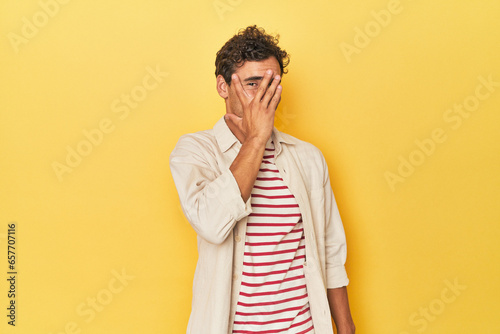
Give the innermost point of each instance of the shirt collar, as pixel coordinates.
(226, 138)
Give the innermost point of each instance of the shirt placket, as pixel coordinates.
(239, 233)
(299, 191)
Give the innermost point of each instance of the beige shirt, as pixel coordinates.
(211, 200)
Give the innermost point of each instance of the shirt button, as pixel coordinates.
(237, 238)
(235, 277)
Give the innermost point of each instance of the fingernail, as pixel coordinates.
(269, 72)
(277, 77)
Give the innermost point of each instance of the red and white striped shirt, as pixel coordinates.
(273, 296)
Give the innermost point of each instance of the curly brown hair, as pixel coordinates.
(250, 44)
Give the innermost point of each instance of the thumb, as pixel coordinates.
(236, 120)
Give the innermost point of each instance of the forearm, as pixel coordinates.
(340, 311)
(245, 166)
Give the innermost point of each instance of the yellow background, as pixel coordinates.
(118, 209)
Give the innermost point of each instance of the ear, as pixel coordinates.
(222, 87)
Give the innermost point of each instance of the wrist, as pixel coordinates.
(255, 142)
(346, 328)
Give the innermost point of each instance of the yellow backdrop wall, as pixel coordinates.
(401, 96)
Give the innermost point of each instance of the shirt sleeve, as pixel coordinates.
(211, 200)
(335, 240)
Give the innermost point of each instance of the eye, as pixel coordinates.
(252, 84)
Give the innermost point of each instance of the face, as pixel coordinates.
(251, 75)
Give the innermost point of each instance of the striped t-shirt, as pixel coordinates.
(273, 296)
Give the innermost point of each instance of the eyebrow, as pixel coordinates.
(254, 78)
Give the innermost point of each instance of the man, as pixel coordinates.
(270, 240)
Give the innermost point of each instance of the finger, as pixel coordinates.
(273, 104)
(234, 119)
(238, 87)
(271, 90)
(263, 85)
